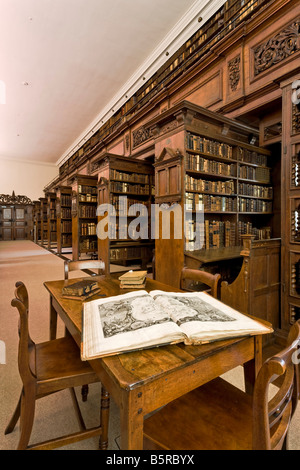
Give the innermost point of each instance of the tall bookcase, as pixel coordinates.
(51, 220)
(290, 265)
(64, 217)
(36, 221)
(84, 220)
(44, 221)
(123, 183)
(206, 161)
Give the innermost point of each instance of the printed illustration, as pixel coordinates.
(185, 309)
(130, 314)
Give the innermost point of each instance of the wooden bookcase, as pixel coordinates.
(36, 221)
(16, 217)
(44, 221)
(290, 266)
(119, 177)
(64, 217)
(207, 161)
(51, 220)
(84, 220)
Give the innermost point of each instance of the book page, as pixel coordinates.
(125, 323)
(203, 318)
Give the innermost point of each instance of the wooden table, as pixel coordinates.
(142, 381)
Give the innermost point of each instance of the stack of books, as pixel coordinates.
(133, 280)
(81, 290)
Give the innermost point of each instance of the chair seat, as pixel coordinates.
(199, 429)
(58, 361)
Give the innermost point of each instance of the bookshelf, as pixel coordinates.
(124, 183)
(232, 180)
(84, 220)
(51, 220)
(44, 221)
(64, 217)
(36, 221)
(204, 160)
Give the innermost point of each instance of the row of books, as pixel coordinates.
(66, 213)
(252, 173)
(211, 234)
(201, 144)
(250, 156)
(254, 205)
(87, 197)
(210, 203)
(87, 211)
(66, 226)
(122, 204)
(219, 234)
(52, 214)
(130, 177)
(53, 226)
(198, 163)
(65, 200)
(123, 232)
(85, 189)
(195, 184)
(254, 190)
(131, 252)
(88, 245)
(88, 228)
(66, 240)
(247, 228)
(130, 188)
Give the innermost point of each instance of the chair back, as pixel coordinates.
(26, 353)
(271, 417)
(210, 280)
(82, 265)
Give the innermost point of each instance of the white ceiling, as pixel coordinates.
(66, 63)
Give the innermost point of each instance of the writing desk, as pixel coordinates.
(142, 381)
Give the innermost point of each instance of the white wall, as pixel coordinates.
(25, 178)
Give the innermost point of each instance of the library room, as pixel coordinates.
(150, 224)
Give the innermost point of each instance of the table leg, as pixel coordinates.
(53, 320)
(132, 420)
(251, 368)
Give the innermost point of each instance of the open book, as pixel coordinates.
(139, 320)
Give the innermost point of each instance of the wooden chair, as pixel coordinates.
(84, 265)
(211, 280)
(219, 416)
(46, 368)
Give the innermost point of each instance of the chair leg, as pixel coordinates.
(27, 417)
(14, 419)
(104, 416)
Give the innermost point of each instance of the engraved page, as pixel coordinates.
(203, 318)
(125, 323)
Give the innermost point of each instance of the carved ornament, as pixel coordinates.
(234, 72)
(141, 135)
(278, 48)
(13, 199)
